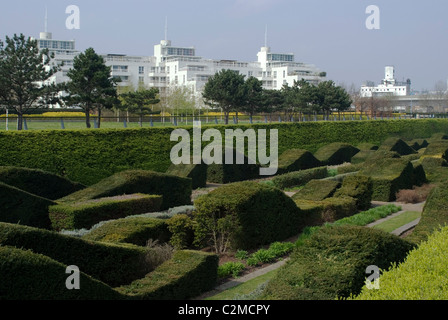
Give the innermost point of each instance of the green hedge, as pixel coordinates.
(263, 214)
(176, 191)
(111, 263)
(438, 149)
(18, 206)
(86, 214)
(30, 276)
(38, 182)
(187, 275)
(298, 178)
(88, 156)
(336, 153)
(332, 263)
(317, 190)
(134, 230)
(295, 160)
(436, 169)
(396, 145)
(196, 172)
(422, 276)
(358, 187)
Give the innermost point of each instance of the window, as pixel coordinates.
(141, 70)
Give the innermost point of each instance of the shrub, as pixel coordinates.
(111, 263)
(317, 190)
(299, 178)
(255, 213)
(415, 195)
(358, 187)
(30, 276)
(397, 145)
(44, 184)
(420, 277)
(176, 191)
(182, 231)
(230, 269)
(436, 169)
(367, 146)
(437, 149)
(336, 153)
(275, 251)
(87, 213)
(295, 160)
(186, 275)
(18, 206)
(362, 156)
(196, 172)
(134, 230)
(332, 263)
(241, 254)
(418, 144)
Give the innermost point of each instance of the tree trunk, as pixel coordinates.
(226, 115)
(19, 120)
(88, 118)
(141, 120)
(99, 117)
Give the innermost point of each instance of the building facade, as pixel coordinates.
(388, 87)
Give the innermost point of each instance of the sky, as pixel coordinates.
(332, 35)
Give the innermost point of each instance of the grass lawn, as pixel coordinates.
(247, 290)
(398, 221)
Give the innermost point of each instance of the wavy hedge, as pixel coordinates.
(87, 156)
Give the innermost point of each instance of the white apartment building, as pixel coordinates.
(388, 86)
(172, 66)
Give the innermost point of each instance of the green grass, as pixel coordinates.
(245, 290)
(398, 221)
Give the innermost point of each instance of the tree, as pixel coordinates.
(331, 97)
(226, 90)
(181, 100)
(254, 98)
(140, 101)
(25, 74)
(91, 85)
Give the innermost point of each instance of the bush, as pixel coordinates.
(358, 187)
(332, 263)
(415, 195)
(196, 172)
(420, 277)
(186, 275)
(255, 214)
(88, 213)
(436, 169)
(336, 153)
(176, 191)
(418, 144)
(44, 184)
(18, 206)
(182, 231)
(134, 230)
(362, 156)
(437, 149)
(295, 160)
(30, 276)
(230, 269)
(397, 145)
(317, 190)
(367, 146)
(111, 263)
(299, 178)
(276, 250)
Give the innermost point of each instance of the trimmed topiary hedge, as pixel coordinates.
(18, 206)
(44, 184)
(298, 178)
(396, 145)
(336, 153)
(30, 276)
(196, 172)
(187, 275)
(332, 263)
(317, 190)
(437, 149)
(262, 214)
(176, 191)
(358, 187)
(436, 169)
(134, 230)
(296, 160)
(85, 214)
(111, 263)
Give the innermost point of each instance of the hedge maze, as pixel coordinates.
(135, 232)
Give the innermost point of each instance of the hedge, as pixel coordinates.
(437, 149)
(18, 206)
(436, 169)
(187, 275)
(336, 153)
(176, 191)
(317, 190)
(358, 187)
(263, 214)
(397, 145)
(422, 276)
(134, 230)
(362, 156)
(85, 214)
(435, 214)
(298, 178)
(88, 156)
(418, 144)
(38, 182)
(296, 160)
(196, 172)
(332, 263)
(30, 276)
(113, 264)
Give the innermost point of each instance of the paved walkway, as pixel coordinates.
(404, 206)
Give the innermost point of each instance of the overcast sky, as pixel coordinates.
(329, 34)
